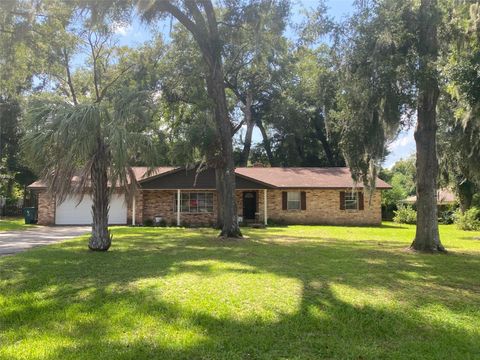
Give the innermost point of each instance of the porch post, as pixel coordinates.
(265, 215)
(133, 210)
(178, 207)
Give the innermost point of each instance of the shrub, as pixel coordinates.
(276, 222)
(405, 215)
(469, 220)
(148, 222)
(162, 223)
(446, 217)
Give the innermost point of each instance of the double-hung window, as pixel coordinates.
(351, 200)
(193, 202)
(293, 200)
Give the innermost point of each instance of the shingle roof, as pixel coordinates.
(277, 177)
(141, 172)
(444, 196)
(304, 177)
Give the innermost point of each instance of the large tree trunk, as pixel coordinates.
(248, 136)
(204, 29)
(218, 180)
(427, 237)
(224, 165)
(100, 239)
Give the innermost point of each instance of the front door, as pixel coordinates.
(249, 205)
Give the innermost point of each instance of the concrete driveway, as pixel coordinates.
(12, 242)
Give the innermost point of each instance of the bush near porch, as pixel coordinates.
(298, 292)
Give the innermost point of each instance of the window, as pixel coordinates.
(293, 200)
(194, 202)
(351, 200)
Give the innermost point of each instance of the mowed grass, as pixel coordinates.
(298, 292)
(8, 224)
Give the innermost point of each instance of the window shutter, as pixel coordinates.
(342, 200)
(303, 200)
(361, 205)
(284, 200)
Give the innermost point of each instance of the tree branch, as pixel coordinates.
(179, 15)
(197, 15)
(104, 90)
(94, 58)
(238, 127)
(212, 21)
(69, 77)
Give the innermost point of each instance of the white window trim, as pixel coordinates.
(356, 199)
(189, 193)
(299, 201)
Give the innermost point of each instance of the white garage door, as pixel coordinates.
(70, 212)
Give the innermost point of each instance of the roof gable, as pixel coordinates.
(182, 178)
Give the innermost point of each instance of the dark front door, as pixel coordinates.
(249, 205)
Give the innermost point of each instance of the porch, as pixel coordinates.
(197, 207)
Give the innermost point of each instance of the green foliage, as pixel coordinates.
(303, 133)
(476, 200)
(458, 164)
(95, 104)
(377, 88)
(446, 217)
(10, 224)
(469, 220)
(399, 190)
(460, 135)
(162, 223)
(405, 215)
(402, 179)
(148, 222)
(63, 139)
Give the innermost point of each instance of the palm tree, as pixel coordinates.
(93, 143)
(94, 134)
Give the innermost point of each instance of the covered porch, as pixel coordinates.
(183, 207)
(185, 197)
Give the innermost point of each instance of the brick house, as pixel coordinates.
(181, 196)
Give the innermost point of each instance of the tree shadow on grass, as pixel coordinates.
(91, 287)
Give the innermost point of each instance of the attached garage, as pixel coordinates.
(70, 212)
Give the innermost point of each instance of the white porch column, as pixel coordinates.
(133, 210)
(265, 214)
(178, 207)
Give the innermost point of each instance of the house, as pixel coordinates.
(181, 196)
(445, 197)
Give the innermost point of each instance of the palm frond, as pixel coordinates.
(62, 143)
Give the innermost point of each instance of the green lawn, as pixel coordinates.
(8, 224)
(294, 292)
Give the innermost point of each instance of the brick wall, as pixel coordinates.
(46, 209)
(323, 207)
(161, 203)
